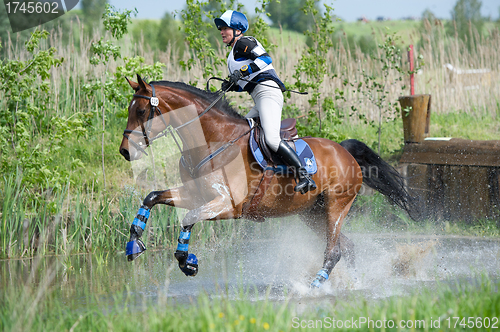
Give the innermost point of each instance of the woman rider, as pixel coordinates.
(249, 64)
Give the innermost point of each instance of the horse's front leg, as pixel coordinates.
(219, 208)
(188, 263)
(177, 197)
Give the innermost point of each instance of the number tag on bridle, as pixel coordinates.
(154, 101)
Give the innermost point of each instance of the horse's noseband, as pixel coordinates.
(155, 102)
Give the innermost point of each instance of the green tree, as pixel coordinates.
(310, 73)
(146, 32)
(169, 33)
(198, 27)
(92, 11)
(114, 91)
(259, 27)
(465, 18)
(365, 43)
(288, 14)
(6, 33)
(30, 132)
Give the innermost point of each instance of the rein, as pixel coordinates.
(257, 83)
(169, 129)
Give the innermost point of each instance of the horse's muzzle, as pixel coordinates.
(124, 152)
(131, 154)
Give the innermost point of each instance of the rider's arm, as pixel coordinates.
(248, 48)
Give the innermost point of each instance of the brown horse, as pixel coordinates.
(220, 177)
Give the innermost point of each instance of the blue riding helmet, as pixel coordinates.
(232, 19)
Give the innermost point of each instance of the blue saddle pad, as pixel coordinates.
(303, 150)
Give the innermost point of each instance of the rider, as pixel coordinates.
(249, 64)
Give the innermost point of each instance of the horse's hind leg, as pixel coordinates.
(315, 219)
(337, 207)
(347, 249)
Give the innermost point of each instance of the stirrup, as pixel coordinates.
(304, 182)
(305, 186)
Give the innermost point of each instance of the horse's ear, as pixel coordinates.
(133, 85)
(142, 84)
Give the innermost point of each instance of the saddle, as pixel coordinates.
(271, 163)
(288, 132)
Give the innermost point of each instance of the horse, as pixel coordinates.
(221, 180)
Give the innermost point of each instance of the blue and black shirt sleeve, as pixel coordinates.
(247, 48)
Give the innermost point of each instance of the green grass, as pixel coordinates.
(41, 309)
(466, 125)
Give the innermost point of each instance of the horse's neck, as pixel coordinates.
(211, 129)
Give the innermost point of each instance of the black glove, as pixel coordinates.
(226, 86)
(235, 76)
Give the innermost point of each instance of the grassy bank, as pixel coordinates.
(439, 307)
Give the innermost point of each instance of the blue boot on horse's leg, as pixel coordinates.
(290, 158)
(135, 247)
(332, 257)
(188, 263)
(321, 277)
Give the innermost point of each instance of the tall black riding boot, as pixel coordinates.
(290, 158)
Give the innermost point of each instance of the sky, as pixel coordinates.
(348, 10)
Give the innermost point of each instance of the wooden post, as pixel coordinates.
(412, 67)
(415, 111)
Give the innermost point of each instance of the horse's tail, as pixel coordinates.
(381, 176)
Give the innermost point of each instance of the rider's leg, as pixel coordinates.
(304, 181)
(269, 103)
(253, 113)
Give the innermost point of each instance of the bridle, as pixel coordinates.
(169, 129)
(146, 131)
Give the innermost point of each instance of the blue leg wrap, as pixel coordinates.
(187, 263)
(136, 247)
(321, 277)
(142, 217)
(183, 241)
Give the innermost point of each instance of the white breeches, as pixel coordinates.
(268, 106)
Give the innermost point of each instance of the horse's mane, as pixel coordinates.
(222, 104)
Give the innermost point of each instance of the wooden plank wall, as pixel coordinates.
(458, 193)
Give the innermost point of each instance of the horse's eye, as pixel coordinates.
(141, 112)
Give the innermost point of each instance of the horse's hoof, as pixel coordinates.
(190, 269)
(134, 249)
(315, 284)
(321, 277)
